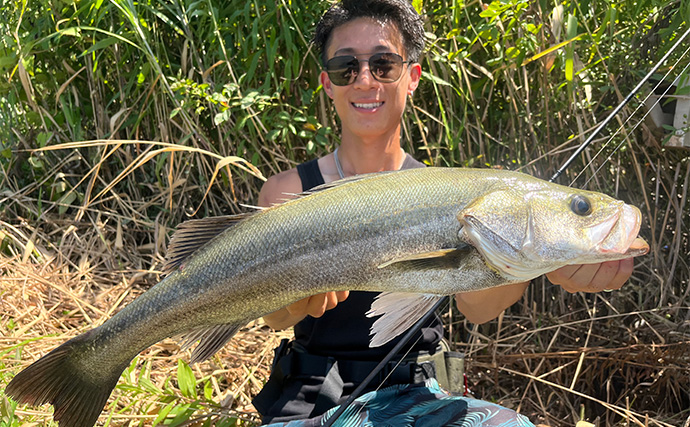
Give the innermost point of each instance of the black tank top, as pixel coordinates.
(343, 332)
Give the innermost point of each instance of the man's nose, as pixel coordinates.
(364, 77)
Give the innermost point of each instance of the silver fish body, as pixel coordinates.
(433, 231)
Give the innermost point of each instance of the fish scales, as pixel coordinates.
(433, 231)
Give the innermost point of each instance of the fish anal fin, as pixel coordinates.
(193, 234)
(441, 258)
(211, 339)
(398, 311)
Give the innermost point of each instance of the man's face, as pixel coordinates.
(368, 108)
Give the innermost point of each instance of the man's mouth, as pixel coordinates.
(367, 105)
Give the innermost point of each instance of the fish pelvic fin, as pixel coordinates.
(211, 339)
(195, 233)
(55, 378)
(398, 311)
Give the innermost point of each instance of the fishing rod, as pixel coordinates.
(421, 322)
(618, 108)
(392, 353)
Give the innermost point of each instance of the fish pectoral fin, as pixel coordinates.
(398, 311)
(195, 233)
(211, 339)
(442, 258)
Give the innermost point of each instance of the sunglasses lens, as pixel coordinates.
(342, 70)
(384, 67)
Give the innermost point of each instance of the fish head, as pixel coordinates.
(523, 233)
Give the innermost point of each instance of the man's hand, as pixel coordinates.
(315, 306)
(608, 276)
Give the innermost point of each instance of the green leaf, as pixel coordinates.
(182, 414)
(65, 201)
(101, 44)
(570, 49)
(73, 31)
(186, 380)
(273, 134)
(249, 99)
(7, 409)
(208, 390)
(435, 79)
(685, 90)
(149, 386)
(42, 138)
(163, 413)
(418, 6)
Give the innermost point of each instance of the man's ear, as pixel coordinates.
(326, 83)
(415, 76)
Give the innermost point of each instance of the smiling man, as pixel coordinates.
(370, 52)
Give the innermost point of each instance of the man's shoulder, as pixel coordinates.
(280, 187)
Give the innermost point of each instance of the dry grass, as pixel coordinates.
(557, 358)
(608, 368)
(613, 359)
(46, 300)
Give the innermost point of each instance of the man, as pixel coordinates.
(370, 51)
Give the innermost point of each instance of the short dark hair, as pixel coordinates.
(399, 12)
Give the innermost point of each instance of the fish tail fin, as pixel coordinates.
(56, 379)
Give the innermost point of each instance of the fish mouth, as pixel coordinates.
(638, 247)
(620, 233)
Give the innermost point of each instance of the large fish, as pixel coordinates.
(433, 231)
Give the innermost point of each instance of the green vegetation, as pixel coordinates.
(177, 109)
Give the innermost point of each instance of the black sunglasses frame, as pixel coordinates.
(347, 74)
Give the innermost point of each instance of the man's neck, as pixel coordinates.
(358, 156)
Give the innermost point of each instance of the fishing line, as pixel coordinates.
(620, 106)
(622, 126)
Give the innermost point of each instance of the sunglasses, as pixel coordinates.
(385, 67)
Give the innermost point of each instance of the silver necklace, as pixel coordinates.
(337, 163)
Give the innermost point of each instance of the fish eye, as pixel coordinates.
(581, 205)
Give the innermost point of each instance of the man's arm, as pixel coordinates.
(485, 305)
(276, 190)
(482, 306)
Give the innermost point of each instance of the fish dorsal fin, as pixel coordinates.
(441, 258)
(211, 338)
(346, 180)
(195, 233)
(398, 311)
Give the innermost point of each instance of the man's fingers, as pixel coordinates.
(574, 278)
(298, 308)
(623, 271)
(331, 300)
(603, 279)
(563, 274)
(608, 275)
(317, 305)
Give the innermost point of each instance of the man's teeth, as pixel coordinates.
(369, 106)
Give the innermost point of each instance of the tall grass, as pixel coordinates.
(188, 104)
